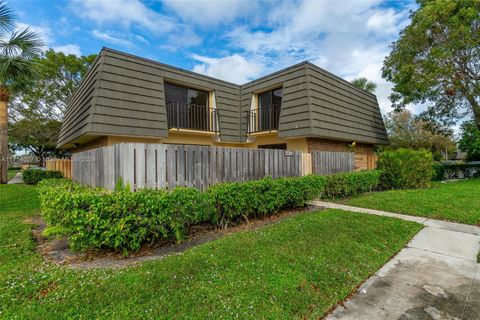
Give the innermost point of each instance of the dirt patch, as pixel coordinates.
(57, 250)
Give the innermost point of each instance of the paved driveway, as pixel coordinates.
(435, 277)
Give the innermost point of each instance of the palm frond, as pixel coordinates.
(24, 43)
(16, 71)
(7, 18)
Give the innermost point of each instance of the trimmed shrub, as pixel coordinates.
(456, 170)
(121, 220)
(33, 176)
(349, 184)
(243, 200)
(405, 168)
(124, 220)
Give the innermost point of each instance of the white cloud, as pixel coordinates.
(350, 38)
(387, 21)
(141, 39)
(111, 39)
(133, 15)
(123, 12)
(233, 68)
(69, 49)
(212, 12)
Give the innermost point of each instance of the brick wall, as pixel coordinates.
(363, 152)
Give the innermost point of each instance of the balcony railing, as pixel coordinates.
(192, 117)
(263, 119)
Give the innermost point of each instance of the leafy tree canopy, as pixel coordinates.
(37, 134)
(37, 109)
(59, 75)
(365, 84)
(470, 141)
(437, 59)
(407, 131)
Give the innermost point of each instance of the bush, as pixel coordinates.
(456, 170)
(124, 220)
(121, 220)
(349, 184)
(405, 168)
(251, 199)
(33, 176)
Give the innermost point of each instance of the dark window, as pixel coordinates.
(187, 108)
(269, 109)
(269, 98)
(278, 146)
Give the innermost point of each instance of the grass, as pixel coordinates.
(12, 173)
(298, 268)
(453, 201)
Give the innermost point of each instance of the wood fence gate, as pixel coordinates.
(324, 162)
(62, 165)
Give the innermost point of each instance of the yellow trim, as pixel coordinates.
(262, 133)
(189, 131)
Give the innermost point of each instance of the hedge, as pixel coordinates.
(123, 220)
(456, 170)
(34, 176)
(252, 199)
(405, 168)
(350, 184)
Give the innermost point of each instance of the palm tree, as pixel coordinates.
(18, 48)
(365, 84)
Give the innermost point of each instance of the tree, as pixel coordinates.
(37, 134)
(407, 131)
(58, 77)
(37, 109)
(17, 52)
(364, 84)
(470, 141)
(437, 59)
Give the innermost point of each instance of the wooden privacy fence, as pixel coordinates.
(167, 166)
(62, 165)
(324, 162)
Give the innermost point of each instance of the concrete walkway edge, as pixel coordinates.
(452, 226)
(18, 178)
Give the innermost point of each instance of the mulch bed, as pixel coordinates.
(57, 250)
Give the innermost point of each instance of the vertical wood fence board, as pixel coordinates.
(180, 164)
(151, 167)
(161, 166)
(170, 165)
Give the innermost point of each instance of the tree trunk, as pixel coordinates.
(3, 141)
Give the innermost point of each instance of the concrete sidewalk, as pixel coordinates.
(18, 178)
(435, 277)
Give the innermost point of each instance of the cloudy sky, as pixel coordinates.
(233, 40)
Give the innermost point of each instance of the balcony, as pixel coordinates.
(191, 117)
(263, 119)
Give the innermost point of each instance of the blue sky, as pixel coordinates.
(229, 39)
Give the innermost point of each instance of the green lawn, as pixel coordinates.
(454, 201)
(298, 268)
